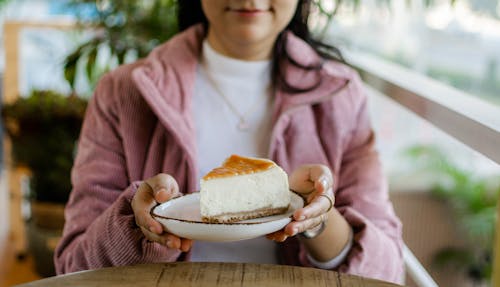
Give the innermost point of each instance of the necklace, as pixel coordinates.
(243, 124)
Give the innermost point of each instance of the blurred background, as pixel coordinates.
(444, 53)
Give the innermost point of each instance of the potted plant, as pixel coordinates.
(44, 128)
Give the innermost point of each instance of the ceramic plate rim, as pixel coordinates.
(153, 214)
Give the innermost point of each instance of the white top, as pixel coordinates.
(227, 89)
(246, 86)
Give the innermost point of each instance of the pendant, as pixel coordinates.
(243, 126)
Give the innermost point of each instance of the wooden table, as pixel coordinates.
(208, 274)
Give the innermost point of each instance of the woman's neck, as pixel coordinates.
(242, 51)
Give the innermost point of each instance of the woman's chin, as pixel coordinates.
(250, 36)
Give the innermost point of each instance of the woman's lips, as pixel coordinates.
(248, 12)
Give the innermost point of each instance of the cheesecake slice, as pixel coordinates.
(243, 188)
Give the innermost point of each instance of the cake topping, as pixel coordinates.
(237, 165)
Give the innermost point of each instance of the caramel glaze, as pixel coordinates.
(239, 165)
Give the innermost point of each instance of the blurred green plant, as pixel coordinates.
(473, 199)
(124, 27)
(44, 128)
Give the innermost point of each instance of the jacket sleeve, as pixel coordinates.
(100, 228)
(361, 196)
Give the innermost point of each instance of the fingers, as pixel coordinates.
(186, 244)
(159, 188)
(320, 203)
(162, 239)
(152, 191)
(155, 190)
(278, 236)
(309, 178)
(296, 227)
(142, 203)
(308, 217)
(164, 187)
(169, 240)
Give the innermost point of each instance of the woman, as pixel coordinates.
(247, 80)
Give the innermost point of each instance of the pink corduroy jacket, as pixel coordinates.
(139, 123)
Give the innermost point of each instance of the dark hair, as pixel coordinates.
(191, 12)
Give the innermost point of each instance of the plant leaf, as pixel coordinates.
(453, 256)
(91, 61)
(70, 69)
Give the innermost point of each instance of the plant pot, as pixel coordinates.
(44, 231)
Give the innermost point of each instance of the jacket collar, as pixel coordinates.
(166, 82)
(171, 68)
(332, 76)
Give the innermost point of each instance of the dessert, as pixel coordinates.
(243, 188)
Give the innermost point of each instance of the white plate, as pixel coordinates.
(181, 216)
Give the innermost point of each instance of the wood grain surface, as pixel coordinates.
(208, 274)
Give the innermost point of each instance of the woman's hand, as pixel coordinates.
(152, 191)
(315, 184)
